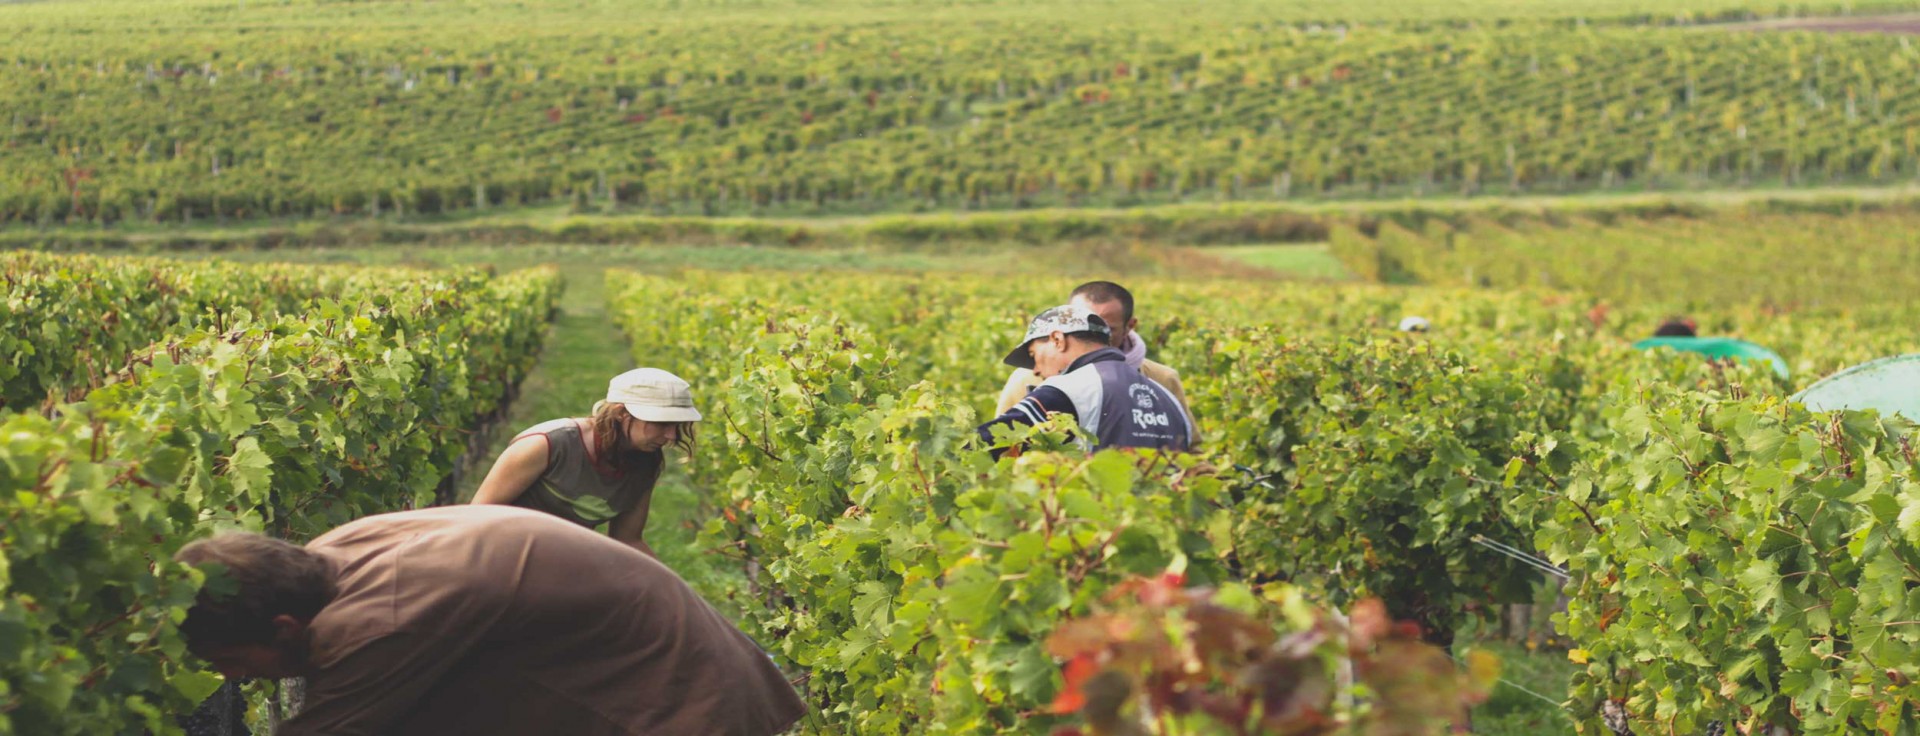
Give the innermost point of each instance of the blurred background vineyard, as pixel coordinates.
(1281, 181)
(187, 110)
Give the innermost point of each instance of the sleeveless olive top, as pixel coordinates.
(575, 488)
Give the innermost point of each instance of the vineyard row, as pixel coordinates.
(290, 423)
(914, 580)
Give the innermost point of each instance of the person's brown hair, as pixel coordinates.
(612, 445)
(1101, 292)
(257, 578)
(1676, 327)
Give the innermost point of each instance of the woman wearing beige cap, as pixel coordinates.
(599, 469)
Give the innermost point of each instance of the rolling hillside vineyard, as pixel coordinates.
(216, 111)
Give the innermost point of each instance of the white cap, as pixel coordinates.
(1414, 324)
(1068, 318)
(653, 395)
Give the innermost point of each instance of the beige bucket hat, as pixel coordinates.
(653, 395)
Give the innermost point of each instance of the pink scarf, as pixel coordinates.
(1136, 350)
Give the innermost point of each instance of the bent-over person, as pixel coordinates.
(480, 620)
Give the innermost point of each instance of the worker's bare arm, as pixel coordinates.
(515, 470)
(631, 528)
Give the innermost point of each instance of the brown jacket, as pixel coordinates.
(500, 620)
(1022, 381)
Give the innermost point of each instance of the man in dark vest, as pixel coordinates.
(1114, 404)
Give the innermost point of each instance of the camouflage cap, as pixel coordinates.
(1065, 318)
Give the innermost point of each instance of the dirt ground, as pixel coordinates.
(1904, 23)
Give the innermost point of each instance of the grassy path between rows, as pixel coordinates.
(583, 350)
(552, 214)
